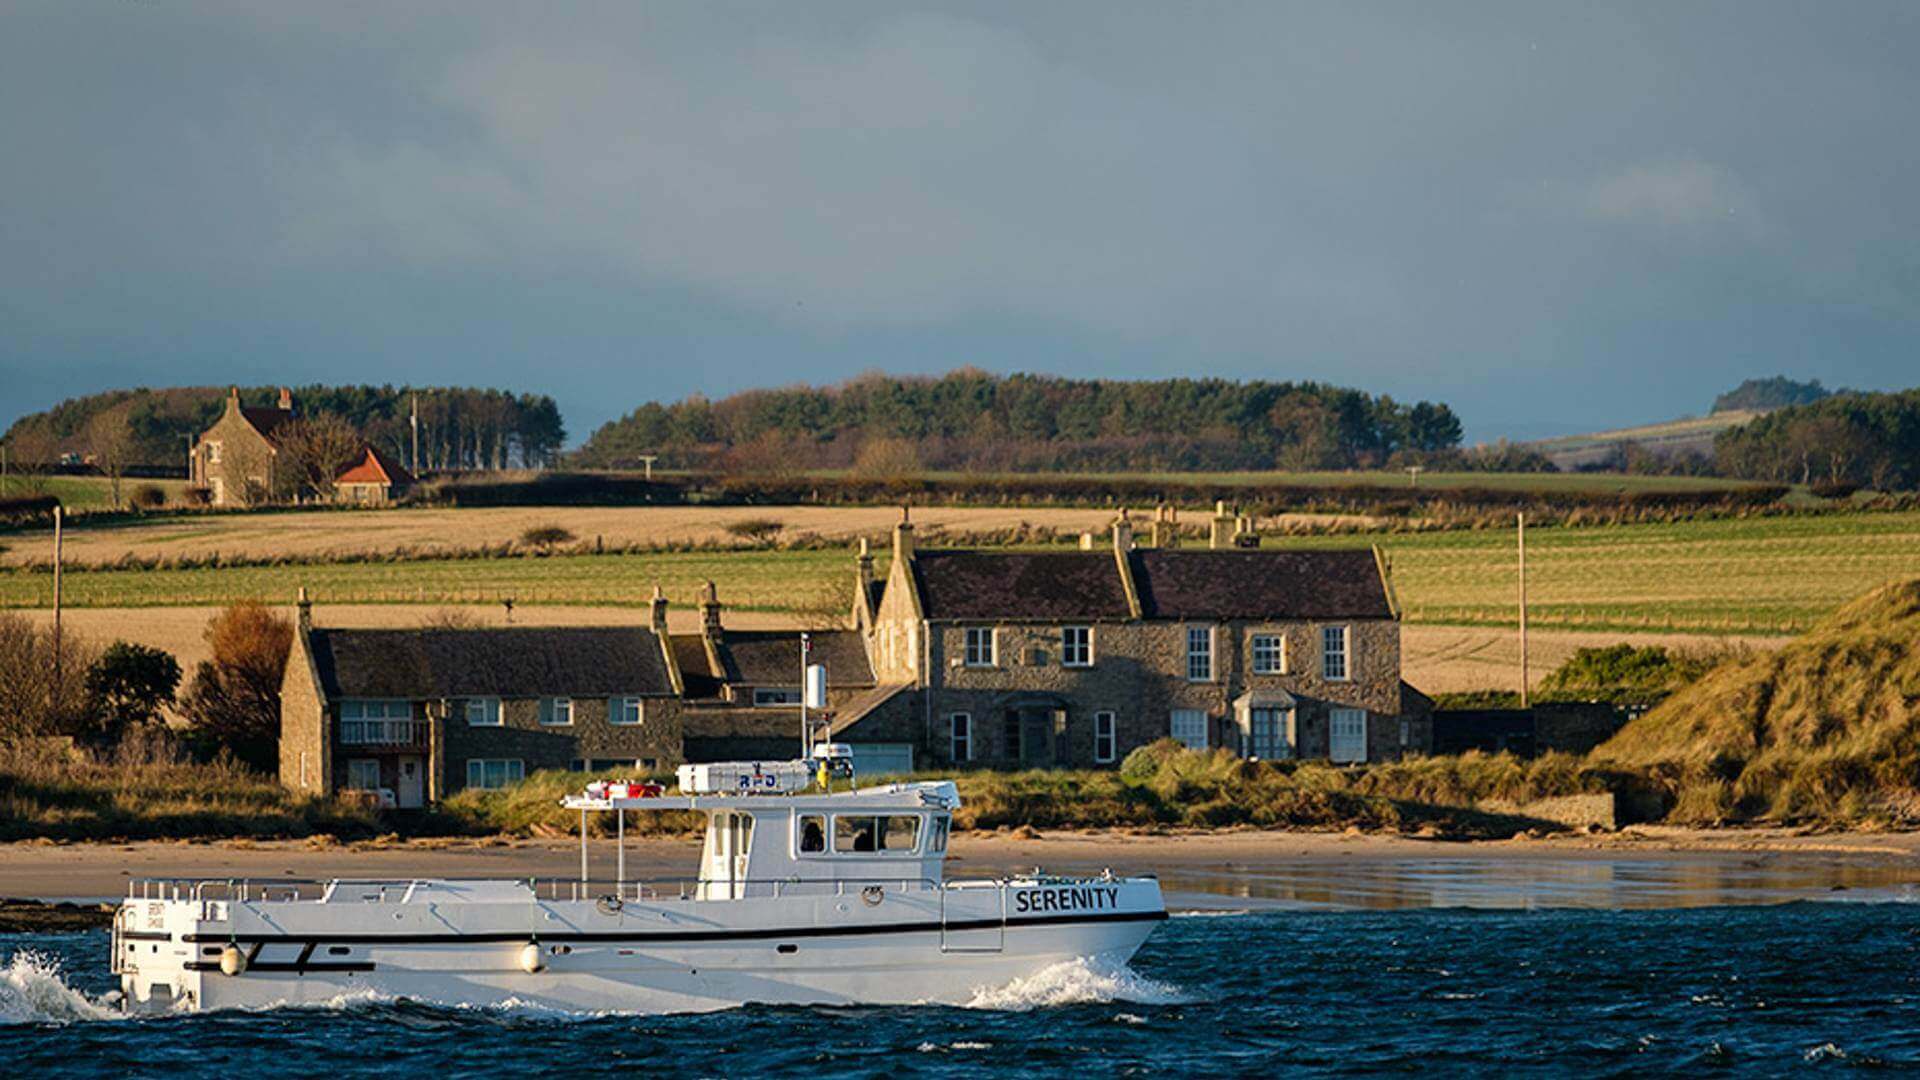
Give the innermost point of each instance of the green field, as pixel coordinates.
(1756, 575)
(86, 492)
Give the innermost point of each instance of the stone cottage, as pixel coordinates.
(1075, 658)
(234, 459)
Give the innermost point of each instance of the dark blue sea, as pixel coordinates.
(1750, 990)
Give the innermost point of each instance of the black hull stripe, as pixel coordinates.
(675, 937)
(293, 966)
(145, 935)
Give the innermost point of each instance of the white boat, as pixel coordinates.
(802, 897)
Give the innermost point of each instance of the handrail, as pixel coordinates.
(245, 889)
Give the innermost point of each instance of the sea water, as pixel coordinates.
(1758, 990)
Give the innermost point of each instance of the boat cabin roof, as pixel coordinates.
(917, 796)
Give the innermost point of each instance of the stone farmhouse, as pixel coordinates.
(955, 659)
(237, 459)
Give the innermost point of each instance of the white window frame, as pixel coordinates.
(1200, 660)
(1190, 717)
(213, 451)
(361, 764)
(764, 697)
(512, 771)
(376, 722)
(960, 736)
(551, 710)
(1344, 653)
(980, 658)
(1272, 648)
(1334, 718)
(619, 709)
(1083, 648)
(1283, 734)
(489, 712)
(1106, 730)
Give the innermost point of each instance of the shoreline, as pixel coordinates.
(93, 871)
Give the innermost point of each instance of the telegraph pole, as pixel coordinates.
(57, 642)
(1525, 695)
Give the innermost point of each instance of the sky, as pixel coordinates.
(1555, 217)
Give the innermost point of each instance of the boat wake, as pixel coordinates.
(32, 991)
(1077, 982)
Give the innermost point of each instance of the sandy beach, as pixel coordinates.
(1224, 863)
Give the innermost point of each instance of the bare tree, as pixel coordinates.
(111, 443)
(31, 452)
(314, 450)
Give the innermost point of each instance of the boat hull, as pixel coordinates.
(679, 956)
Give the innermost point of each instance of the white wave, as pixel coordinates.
(1076, 982)
(32, 992)
(1210, 913)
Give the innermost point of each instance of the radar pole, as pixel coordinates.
(806, 646)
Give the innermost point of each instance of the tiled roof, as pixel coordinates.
(772, 657)
(375, 466)
(511, 662)
(1045, 586)
(1210, 584)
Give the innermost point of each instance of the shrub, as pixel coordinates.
(234, 702)
(546, 537)
(759, 531)
(43, 680)
(197, 495)
(127, 687)
(149, 497)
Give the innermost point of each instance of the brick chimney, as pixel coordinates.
(903, 536)
(303, 613)
(710, 613)
(863, 564)
(286, 399)
(1122, 533)
(1220, 529)
(657, 612)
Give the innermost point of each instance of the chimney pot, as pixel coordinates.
(286, 399)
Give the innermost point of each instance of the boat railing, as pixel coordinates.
(405, 890)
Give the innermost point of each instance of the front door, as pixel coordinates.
(409, 791)
(1037, 736)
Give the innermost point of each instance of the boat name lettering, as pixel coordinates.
(1069, 898)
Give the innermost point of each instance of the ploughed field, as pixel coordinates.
(1762, 575)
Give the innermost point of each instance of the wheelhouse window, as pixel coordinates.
(1189, 726)
(494, 773)
(1199, 654)
(363, 774)
(766, 697)
(979, 650)
(556, 711)
(875, 834)
(937, 834)
(1269, 654)
(1104, 737)
(1334, 653)
(1076, 646)
(366, 722)
(625, 711)
(960, 735)
(483, 712)
(812, 834)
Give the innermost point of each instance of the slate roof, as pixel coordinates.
(1181, 583)
(509, 662)
(265, 419)
(1040, 586)
(1228, 584)
(772, 657)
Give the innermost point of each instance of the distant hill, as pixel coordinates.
(970, 419)
(1828, 726)
(460, 427)
(1778, 392)
(1689, 437)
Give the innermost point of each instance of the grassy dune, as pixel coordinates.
(1761, 575)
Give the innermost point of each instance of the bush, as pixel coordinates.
(758, 531)
(197, 495)
(546, 537)
(149, 497)
(126, 689)
(39, 696)
(234, 702)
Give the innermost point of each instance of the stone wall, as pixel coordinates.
(305, 764)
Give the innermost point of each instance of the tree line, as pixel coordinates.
(1849, 439)
(461, 428)
(970, 419)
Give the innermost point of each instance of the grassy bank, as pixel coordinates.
(1765, 575)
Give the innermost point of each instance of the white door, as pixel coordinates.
(1347, 739)
(410, 790)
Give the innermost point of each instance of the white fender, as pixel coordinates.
(232, 961)
(532, 960)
